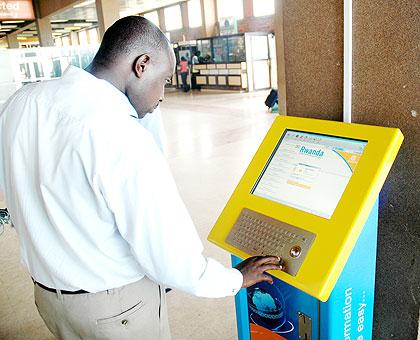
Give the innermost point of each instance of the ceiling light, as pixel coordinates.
(13, 21)
(5, 29)
(84, 24)
(8, 26)
(58, 20)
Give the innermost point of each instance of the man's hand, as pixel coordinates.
(253, 269)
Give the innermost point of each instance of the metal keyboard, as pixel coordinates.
(257, 234)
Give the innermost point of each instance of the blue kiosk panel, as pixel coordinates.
(280, 311)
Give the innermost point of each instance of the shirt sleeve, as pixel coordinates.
(2, 184)
(138, 187)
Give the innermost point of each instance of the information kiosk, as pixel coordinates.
(309, 195)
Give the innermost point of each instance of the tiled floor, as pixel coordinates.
(212, 137)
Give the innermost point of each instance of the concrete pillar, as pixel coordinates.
(108, 12)
(248, 8)
(45, 36)
(185, 19)
(281, 65)
(162, 24)
(209, 15)
(74, 38)
(12, 40)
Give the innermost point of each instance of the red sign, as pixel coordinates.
(17, 9)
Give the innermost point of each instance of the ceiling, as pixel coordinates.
(81, 16)
(128, 7)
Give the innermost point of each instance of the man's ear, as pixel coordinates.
(140, 64)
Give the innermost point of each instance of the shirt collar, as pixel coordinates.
(76, 73)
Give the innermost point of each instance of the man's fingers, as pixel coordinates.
(267, 278)
(268, 259)
(271, 267)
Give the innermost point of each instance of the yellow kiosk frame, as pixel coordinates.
(335, 237)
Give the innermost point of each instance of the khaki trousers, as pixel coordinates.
(134, 311)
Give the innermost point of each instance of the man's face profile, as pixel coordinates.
(151, 74)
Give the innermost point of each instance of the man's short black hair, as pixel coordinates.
(128, 35)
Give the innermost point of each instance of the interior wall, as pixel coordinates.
(256, 24)
(385, 92)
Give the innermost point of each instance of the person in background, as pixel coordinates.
(195, 71)
(101, 225)
(183, 70)
(208, 59)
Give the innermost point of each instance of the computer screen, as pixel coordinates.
(309, 171)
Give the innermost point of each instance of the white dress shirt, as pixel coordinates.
(153, 123)
(91, 195)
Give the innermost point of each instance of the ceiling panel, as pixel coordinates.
(83, 15)
(128, 7)
(78, 13)
(87, 9)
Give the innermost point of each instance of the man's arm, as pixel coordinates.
(150, 215)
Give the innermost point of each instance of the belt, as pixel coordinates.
(52, 290)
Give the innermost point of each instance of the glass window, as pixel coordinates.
(173, 19)
(220, 51)
(66, 41)
(39, 72)
(93, 36)
(263, 7)
(153, 17)
(231, 8)
(83, 38)
(57, 42)
(236, 49)
(259, 45)
(204, 46)
(194, 13)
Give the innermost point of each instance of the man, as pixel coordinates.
(195, 61)
(102, 228)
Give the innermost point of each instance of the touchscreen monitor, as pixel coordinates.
(309, 171)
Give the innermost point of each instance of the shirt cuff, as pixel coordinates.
(237, 280)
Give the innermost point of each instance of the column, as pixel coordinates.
(12, 40)
(108, 12)
(74, 38)
(45, 36)
(281, 65)
(248, 8)
(185, 19)
(162, 24)
(209, 15)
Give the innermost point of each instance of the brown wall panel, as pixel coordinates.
(386, 92)
(313, 39)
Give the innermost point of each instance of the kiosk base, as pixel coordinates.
(280, 311)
